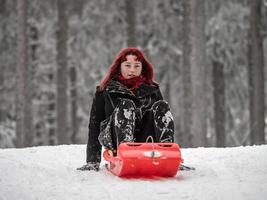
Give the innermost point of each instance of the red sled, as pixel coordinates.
(145, 160)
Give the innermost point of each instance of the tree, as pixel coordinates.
(185, 137)
(229, 53)
(23, 91)
(62, 74)
(256, 74)
(198, 74)
(73, 100)
(3, 47)
(130, 21)
(219, 101)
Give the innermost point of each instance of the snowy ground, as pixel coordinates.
(50, 173)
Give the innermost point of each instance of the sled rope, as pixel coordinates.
(153, 150)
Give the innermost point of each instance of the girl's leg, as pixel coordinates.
(164, 125)
(119, 127)
(158, 123)
(124, 121)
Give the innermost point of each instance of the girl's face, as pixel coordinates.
(131, 67)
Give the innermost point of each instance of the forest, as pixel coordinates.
(210, 59)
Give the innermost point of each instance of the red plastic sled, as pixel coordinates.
(145, 159)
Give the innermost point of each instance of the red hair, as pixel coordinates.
(114, 68)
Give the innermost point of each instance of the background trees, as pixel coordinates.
(256, 73)
(23, 80)
(198, 73)
(185, 134)
(209, 58)
(130, 7)
(62, 71)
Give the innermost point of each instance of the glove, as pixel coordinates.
(90, 166)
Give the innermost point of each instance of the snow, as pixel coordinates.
(50, 173)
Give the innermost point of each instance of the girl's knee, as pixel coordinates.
(160, 105)
(127, 103)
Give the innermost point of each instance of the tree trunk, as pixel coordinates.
(219, 102)
(51, 115)
(256, 74)
(63, 137)
(198, 74)
(185, 137)
(73, 94)
(33, 36)
(3, 47)
(130, 22)
(23, 91)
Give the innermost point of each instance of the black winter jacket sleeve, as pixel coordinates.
(97, 114)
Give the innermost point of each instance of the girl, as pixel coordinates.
(127, 107)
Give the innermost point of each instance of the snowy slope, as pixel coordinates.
(50, 173)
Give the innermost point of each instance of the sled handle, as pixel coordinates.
(150, 137)
(152, 140)
(133, 144)
(165, 145)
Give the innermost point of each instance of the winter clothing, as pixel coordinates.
(120, 114)
(122, 125)
(131, 83)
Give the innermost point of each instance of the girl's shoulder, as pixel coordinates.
(147, 89)
(99, 92)
(154, 86)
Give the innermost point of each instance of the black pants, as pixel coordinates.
(129, 124)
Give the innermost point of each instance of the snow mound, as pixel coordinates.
(50, 173)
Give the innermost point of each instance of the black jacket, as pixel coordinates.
(104, 103)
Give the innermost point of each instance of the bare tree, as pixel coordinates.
(51, 114)
(73, 100)
(219, 101)
(3, 47)
(130, 21)
(198, 73)
(185, 137)
(33, 46)
(23, 91)
(256, 74)
(62, 74)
